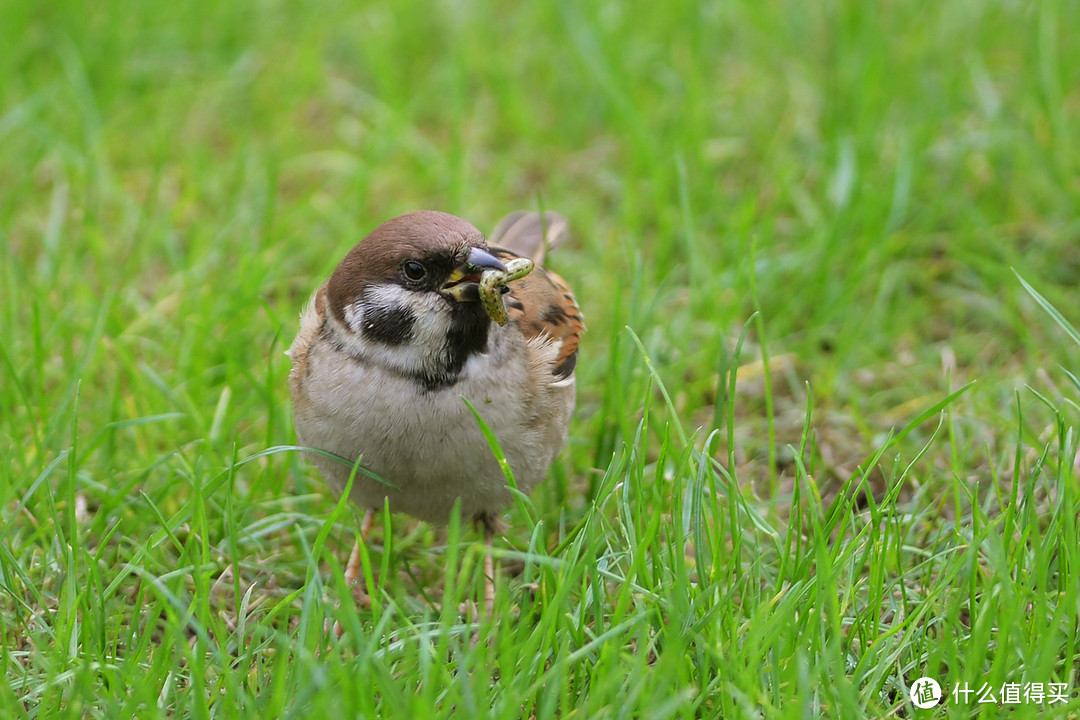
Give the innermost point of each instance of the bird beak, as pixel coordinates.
(464, 282)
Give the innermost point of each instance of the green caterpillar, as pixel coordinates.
(492, 283)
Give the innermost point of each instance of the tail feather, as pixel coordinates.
(530, 234)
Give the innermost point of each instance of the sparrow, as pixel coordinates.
(395, 341)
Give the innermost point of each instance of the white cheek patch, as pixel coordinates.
(416, 344)
(354, 316)
(387, 295)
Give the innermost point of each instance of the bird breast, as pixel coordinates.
(426, 442)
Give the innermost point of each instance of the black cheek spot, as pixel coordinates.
(390, 325)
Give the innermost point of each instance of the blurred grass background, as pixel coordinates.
(176, 178)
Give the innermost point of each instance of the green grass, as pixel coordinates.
(826, 440)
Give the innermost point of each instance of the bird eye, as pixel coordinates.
(414, 270)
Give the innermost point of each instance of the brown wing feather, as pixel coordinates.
(541, 303)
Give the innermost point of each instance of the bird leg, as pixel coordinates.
(354, 578)
(490, 524)
(352, 570)
(489, 571)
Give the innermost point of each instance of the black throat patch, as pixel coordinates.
(467, 336)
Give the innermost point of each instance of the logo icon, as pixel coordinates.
(925, 693)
